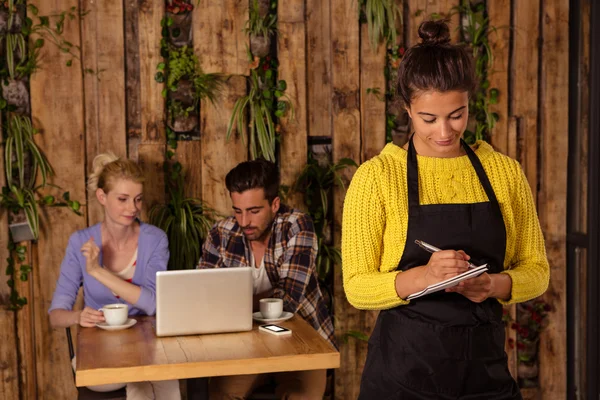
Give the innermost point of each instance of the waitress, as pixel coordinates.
(472, 202)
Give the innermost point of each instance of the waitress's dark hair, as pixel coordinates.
(435, 64)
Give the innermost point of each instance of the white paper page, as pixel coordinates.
(450, 282)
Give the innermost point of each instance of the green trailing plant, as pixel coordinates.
(264, 96)
(185, 220)
(26, 168)
(266, 100)
(474, 32)
(16, 302)
(257, 25)
(382, 17)
(316, 182)
(182, 64)
(20, 192)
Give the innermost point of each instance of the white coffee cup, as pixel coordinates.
(271, 308)
(115, 314)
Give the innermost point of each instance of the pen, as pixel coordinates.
(433, 249)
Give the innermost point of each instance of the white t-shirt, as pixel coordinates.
(261, 279)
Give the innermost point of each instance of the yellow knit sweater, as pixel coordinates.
(376, 217)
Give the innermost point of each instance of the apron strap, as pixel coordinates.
(412, 175)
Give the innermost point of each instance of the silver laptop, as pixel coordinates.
(200, 301)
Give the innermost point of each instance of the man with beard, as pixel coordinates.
(281, 245)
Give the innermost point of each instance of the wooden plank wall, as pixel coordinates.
(328, 64)
(61, 114)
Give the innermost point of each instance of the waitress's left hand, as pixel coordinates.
(475, 289)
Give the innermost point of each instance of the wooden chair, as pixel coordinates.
(84, 393)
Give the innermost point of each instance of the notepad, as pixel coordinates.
(436, 287)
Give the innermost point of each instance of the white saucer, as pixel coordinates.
(103, 325)
(257, 316)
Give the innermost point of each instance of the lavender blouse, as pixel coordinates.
(153, 255)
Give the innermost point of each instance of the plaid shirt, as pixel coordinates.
(289, 263)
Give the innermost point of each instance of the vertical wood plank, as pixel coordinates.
(219, 156)
(9, 380)
(219, 40)
(25, 330)
(372, 107)
(132, 74)
(499, 15)
(151, 157)
(150, 14)
(524, 90)
(292, 68)
(425, 9)
(318, 55)
(60, 113)
(153, 141)
(581, 340)
(188, 154)
(511, 334)
(102, 51)
(552, 203)
(345, 32)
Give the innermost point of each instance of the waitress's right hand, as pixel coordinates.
(89, 317)
(444, 265)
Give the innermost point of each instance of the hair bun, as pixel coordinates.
(434, 33)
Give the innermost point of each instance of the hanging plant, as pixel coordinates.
(24, 163)
(381, 17)
(474, 31)
(185, 220)
(260, 28)
(264, 95)
(316, 182)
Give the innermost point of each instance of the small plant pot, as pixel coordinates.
(19, 227)
(527, 370)
(180, 33)
(263, 7)
(183, 123)
(21, 232)
(15, 92)
(184, 93)
(260, 45)
(3, 21)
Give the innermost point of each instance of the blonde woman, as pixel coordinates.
(115, 260)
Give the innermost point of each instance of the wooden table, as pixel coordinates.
(137, 354)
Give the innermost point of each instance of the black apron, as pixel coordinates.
(442, 345)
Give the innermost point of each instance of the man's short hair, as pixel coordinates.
(254, 174)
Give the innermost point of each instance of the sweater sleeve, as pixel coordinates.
(157, 261)
(70, 278)
(529, 269)
(363, 227)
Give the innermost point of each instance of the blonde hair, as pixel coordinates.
(107, 168)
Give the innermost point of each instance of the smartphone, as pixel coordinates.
(275, 330)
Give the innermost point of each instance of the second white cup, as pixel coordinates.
(271, 308)
(115, 314)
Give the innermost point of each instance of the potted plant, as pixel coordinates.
(265, 100)
(316, 183)
(23, 162)
(381, 17)
(185, 220)
(186, 85)
(260, 27)
(179, 23)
